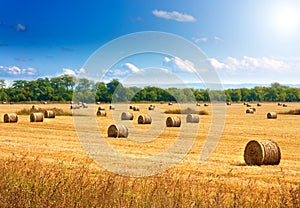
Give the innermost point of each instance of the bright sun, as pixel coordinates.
(287, 20)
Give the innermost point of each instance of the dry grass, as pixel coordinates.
(291, 112)
(44, 165)
(30, 183)
(57, 111)
(186, 111)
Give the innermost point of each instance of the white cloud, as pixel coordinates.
(250, 63)
(183, 65)
(132, 67)
(217, 64)
(200, 40)
(167, 59)
(119, 72)
(15, 70)
(31, 71)
(81, 71)
(69, 72)
(174, 15)
(218, 39)
(20, 28)
(74, 72)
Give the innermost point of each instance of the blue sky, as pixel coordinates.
(247, 41)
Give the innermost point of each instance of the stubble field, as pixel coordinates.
(44, 164)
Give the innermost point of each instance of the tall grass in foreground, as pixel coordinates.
(25, 183)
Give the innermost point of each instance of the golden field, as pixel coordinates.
(43, 158)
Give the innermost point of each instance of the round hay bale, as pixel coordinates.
(284, 105)
(35, 107)
(10, 118)
(254, 109)
(249, 110)
(117, 130)
(205, 104)
(228, 103)
(248, 105)
(173, 122)
(162, 102)
(101, 113)
(85, 105)
(192, 118)
(135, 108)
(198, 104)
(36, 117)
(144, 119)
(49, 114)
(265, 152)
(279, 104)
(3, 102)
(258, 104)
(126, 116)
(170, 103)
(75, 107)
(98, 103)
(271, 115)
(101, 108)
(151, 108)
(44, 102)
(111, 107)
(130, 107)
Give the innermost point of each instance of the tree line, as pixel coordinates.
(68, 88)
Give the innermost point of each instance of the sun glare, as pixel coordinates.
(287, 20)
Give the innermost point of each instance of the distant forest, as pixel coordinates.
(62, 88)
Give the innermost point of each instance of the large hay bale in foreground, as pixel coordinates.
(173, 121)
(144, 119)
(117, 130)
(101, 113)
(49, 114)
(265, 152)
(271, 115)
(126, 116)
(36, 117)
(192, 118)
(10, 118)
